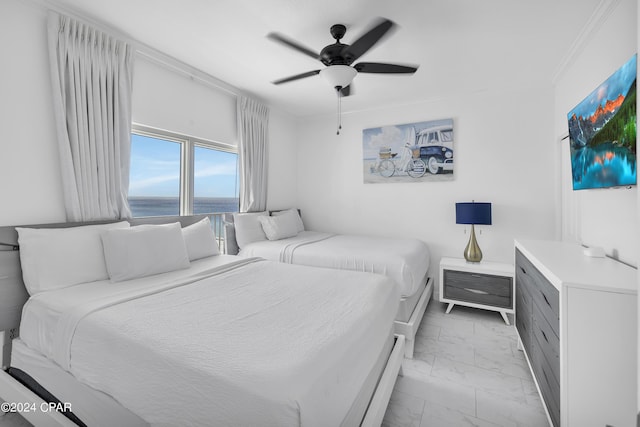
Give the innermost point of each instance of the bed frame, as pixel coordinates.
(408, 328)
(13, 295)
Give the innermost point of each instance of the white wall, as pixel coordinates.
(606, 218)
(163, 97)
(504, 152)
(29, 173)
(282, 189)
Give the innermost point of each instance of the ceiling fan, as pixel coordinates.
(338, 57)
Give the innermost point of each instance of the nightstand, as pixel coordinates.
(487, 285)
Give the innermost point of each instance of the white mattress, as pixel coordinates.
(92, 407)
(408, 304)
(43, 310)
(227, 342)
(406, 261)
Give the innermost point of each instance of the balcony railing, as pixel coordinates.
(217, 224)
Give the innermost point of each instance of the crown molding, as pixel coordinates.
(593, 24)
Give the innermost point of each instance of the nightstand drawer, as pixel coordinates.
(478, 288)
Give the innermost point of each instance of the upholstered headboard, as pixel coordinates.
(230, 243)
(13, 293)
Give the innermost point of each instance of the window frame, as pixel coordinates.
(187, 169)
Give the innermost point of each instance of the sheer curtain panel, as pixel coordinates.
(253, 152)
(92, 75)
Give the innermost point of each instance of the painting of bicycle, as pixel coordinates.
(421, 151)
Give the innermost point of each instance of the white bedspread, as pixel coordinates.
(406, 261)
(228, 342)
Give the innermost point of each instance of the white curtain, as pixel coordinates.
(92, 76)
(253, 152)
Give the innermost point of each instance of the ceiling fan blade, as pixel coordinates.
(376, 67)
(297, 77)
(366, 41)
(293, 44)
(346, 91)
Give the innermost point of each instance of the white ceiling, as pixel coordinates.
(461, 46)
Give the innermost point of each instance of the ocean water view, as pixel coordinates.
(166, 206)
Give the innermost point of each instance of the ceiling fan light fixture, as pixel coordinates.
(337, 58)
(339, 75)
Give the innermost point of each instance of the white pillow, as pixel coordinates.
(200, 240)
(295, 214)
(278, 227)
(248, 228)
(53, 258)
(144, 250)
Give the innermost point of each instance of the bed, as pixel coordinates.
(211, 340)
(281, 236)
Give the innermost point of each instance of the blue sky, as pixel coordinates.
(155, 170)
(618, 83)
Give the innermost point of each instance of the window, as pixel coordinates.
(177, 175)
(154, 177)
(215, 180)
(447, 135)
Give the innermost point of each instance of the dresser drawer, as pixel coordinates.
(547, 300)
(549, 387)
(548, 341)
(523, 280)
(478, 288)
(543, 293)
(523, 314)
(523, 293)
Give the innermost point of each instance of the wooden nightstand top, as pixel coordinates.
(485, 267)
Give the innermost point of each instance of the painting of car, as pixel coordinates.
(436, 147)
(411, 152)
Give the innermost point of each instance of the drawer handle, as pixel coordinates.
(544, 335)
(545, 298)
(476, 291)
(522, 269)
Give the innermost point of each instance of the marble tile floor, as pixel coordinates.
(13, 420)
(466, 371)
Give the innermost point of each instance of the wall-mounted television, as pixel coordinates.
(602, 131)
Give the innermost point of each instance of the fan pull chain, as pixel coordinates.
(338, 89)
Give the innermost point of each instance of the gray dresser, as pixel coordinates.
(576, 318)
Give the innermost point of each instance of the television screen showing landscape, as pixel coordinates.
(602, 129)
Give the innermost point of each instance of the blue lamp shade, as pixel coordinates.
(473, 213)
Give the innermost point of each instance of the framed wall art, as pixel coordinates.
(411, 152)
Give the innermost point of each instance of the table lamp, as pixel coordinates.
(473, 213)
